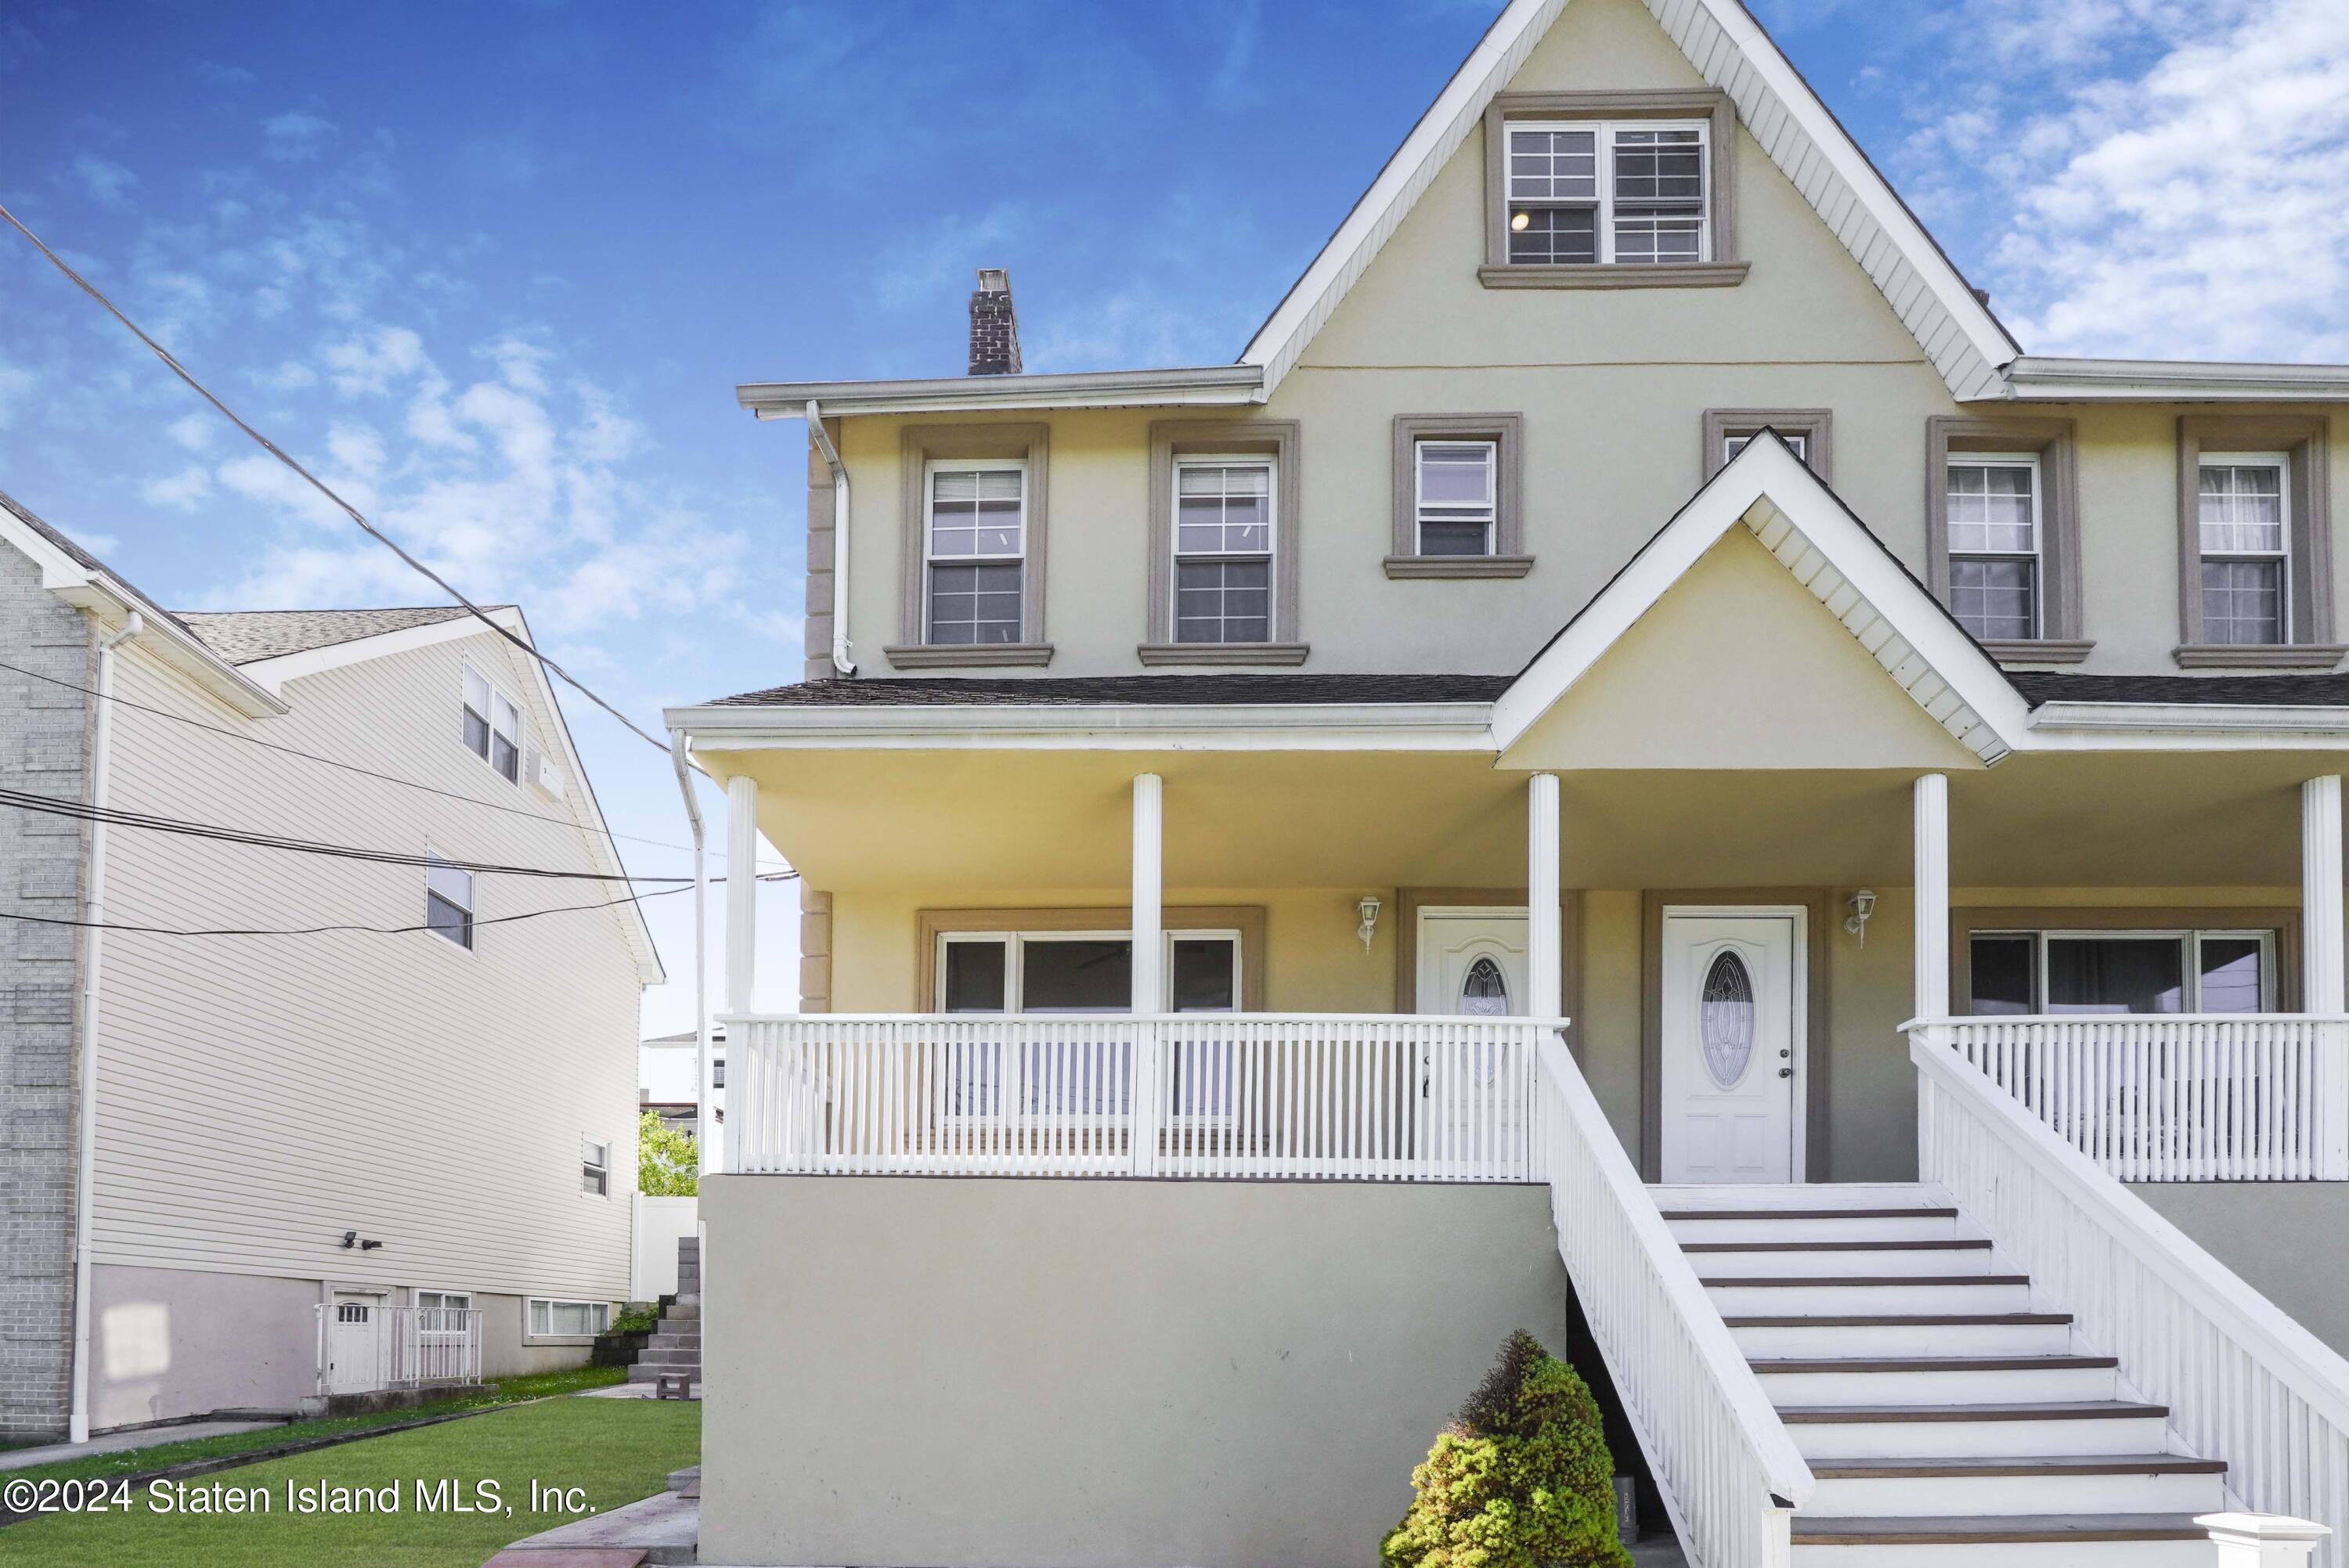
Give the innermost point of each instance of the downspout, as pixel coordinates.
(93, 913)
(705, 1113)
(841, 661)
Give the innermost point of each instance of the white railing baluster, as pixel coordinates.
(2230, 1097)
(2242, 1381)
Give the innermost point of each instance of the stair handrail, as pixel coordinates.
(1730, 1473)
(2235, 1369)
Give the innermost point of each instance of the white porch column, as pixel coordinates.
(1149, 919)
(1542, 968)
(2320, 894)
(741, 891)
(1931, 845)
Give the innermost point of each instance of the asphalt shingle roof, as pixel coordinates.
(244, 636)
(2315, 690)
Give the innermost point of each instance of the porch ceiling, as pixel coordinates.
(995, 822)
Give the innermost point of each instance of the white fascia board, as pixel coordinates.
(274, 673)
(1767, 477)
(2187, 726)
(109, 603)
(1751, 62)
(1213, 385)
(1104, 727)
(2037, 378)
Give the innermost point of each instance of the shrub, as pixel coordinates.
(1522, 1477)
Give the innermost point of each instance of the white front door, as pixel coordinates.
(355, 1346)
(1734, 1009)
(1472, 963)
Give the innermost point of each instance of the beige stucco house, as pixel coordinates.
(1635, 768)
(283, 1124)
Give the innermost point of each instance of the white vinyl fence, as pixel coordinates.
(1729, 1474)
(2243, 1381)
(657, 1225)
(2225, 1097)
(1267, 1094)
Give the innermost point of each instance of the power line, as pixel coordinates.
(332, 762)
(362, 930)
(58, 807)
(320, 484)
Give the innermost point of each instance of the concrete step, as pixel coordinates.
(648, 1371)
(2027, 1541)
(1746, 1257)
(1957, 1432)
(665, 1356)
(1833, 1296)
(1920, 1333)
(2006, 1484)
(1940, 1380)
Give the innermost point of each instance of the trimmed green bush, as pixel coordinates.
(1522, 1477)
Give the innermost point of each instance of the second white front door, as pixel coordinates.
(1733, 1012)
(1472, 962)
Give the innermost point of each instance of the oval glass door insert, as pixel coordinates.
(1485, 992)
(1725, 1019)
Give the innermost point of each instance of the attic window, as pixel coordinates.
(1596, 192)
(1610, 189)
(493, 727)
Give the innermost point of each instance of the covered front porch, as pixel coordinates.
(1318, 966)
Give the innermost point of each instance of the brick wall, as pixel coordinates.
(44, 747)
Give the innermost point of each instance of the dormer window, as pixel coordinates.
(1586, 190)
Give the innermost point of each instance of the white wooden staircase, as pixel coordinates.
(1950, 1416)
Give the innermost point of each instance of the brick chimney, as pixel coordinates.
(994, 325)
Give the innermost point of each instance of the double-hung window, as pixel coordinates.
(2090, 972)
(595, 1168)
(1589, 193)
(1995, 544)
(976, 537)
(448, 902)
(1223, 550)
(1456, 495)
(493, 727)
(2245, 545)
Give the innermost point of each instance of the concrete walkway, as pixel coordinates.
(663, 1528)
(122, 1442)
(626, 1391)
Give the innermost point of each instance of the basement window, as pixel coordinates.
(552, 1318)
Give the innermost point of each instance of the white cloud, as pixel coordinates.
(108, 181)
(356, 449)
(182, 491)
(297, 135)
(193, 432)
(370, 362)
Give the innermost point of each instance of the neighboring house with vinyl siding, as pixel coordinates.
(267, 1108)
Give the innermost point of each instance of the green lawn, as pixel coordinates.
(614, 1450)
(161, 1456)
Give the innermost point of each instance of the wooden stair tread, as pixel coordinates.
(1909, 1320)
(1809, 1213)
(1951, 1244)
(1868, 1282)
(1939, 1364)
(1998, 1528)
(1910, 1467)
(2060, 1410)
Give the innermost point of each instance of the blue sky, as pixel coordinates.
(496, 267)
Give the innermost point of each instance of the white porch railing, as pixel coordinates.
(2242, 1381)
(2221, 1097)
(411, 1347)
(1729, 1473)
(1189, 1094)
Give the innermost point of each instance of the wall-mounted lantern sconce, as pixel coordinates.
(1862, 905)
(1367, 908)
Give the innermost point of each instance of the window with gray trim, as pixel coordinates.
(972, 546)
(2255, 541)
(1729, 431)
(1610, 190)
(1457, 483)
(1223, 543)
(2001, 535)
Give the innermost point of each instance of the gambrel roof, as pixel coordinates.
(1965, 343)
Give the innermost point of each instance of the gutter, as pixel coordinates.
(2040, 378)
(93, 911)
(841, 661)
(1222, 386)
(1238, 726)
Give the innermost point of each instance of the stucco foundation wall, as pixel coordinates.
(1063, 1374)
(2283, 1237)
(184, 1342)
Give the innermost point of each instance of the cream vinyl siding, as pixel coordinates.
(260, 1096)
